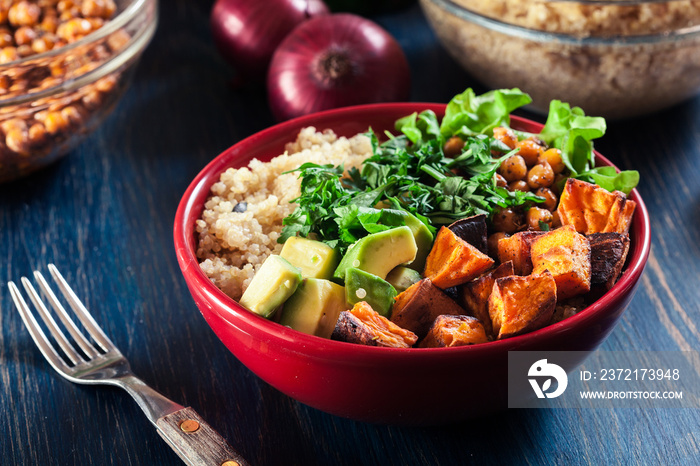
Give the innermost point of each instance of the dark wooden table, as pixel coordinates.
(104, 215)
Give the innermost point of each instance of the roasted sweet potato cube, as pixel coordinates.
(363, 325)
(519, 305)
(454, 331)
(567, 255)
(453, 261)
(592, 209)
(473, 230)
(516, 249)
(473, 296)
(608, 255)
(418, 306)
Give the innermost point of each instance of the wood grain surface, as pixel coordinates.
(104, 216)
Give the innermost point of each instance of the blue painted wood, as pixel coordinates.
(104, 216)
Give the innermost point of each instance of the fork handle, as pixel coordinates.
(195, 442)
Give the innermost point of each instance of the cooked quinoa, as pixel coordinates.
(242, 219)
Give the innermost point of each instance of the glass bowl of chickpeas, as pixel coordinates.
(64, 64)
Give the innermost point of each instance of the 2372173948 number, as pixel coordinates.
(639, 374)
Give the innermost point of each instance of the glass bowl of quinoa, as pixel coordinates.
(613, 58)
(64, 64)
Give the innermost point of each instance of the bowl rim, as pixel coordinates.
(537, 35)
(137, 43)
(192, 202)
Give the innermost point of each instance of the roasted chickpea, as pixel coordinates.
(530, 151)
(535, 217)
(553, 158)
(550, 199)
(541, 175)
(519, 185)
(453, 146)
(500, 181)
(508, 220)
(505, 135)
(513, 168)
(24, 14)
(492, 243)
(556, 220)
(559, 180)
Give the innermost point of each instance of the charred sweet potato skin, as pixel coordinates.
(363, 325)
(516, 249)
(592, 209)
(520, 305)
(608, 255)
(417, 307)
(566, 254)
(448, 331)
(473, 230)
(474, 295)
(452, 261)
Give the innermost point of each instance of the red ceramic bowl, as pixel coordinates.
(373, 384)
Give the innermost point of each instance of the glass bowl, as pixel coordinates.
(616, 59)
(50, 101)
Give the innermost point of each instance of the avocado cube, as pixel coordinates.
(364, 286)
(424, 241)
(314, 307)
(380, 252)
(272, 285)
(314, 258)
(402, 277)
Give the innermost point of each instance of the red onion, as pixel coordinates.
(247, 32)
(334, 61)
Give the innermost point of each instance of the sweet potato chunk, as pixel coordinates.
(516, 249)
(454, 331)
(592, 209)
(473, 296)
(365, 326)
(417, 308)
(608, 255)
(453, 261)
(567, 255)
(473, 230)
(519, 305)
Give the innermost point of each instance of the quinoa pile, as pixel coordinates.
(242, 219)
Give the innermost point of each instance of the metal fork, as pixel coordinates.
(100, 362)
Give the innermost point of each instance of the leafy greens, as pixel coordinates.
(409, 173)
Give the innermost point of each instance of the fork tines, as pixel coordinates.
(87, 350)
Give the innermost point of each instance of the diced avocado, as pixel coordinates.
(402, 277)
(380, 252)
(314, 307)
(364, 286)
(314, 258)
(424, 241)
(271, 285)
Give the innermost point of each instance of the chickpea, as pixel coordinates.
(24, 13)
(519, 185)
(453, 146)
(42, 44)
(541, 175)
(513, 168)
(508, 220)
(559, 180)
(530, 151)
(500, 181)
(24, 35)
(492, 243)
(553, 158)
(536, 217)
(550, 199)
(8, 54)
(17, 141)
(55, 122)
(37, 134)
(556, 220)
(6, 38)
(505, 135)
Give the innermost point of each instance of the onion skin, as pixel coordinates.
(336, 61)
(247, 32)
